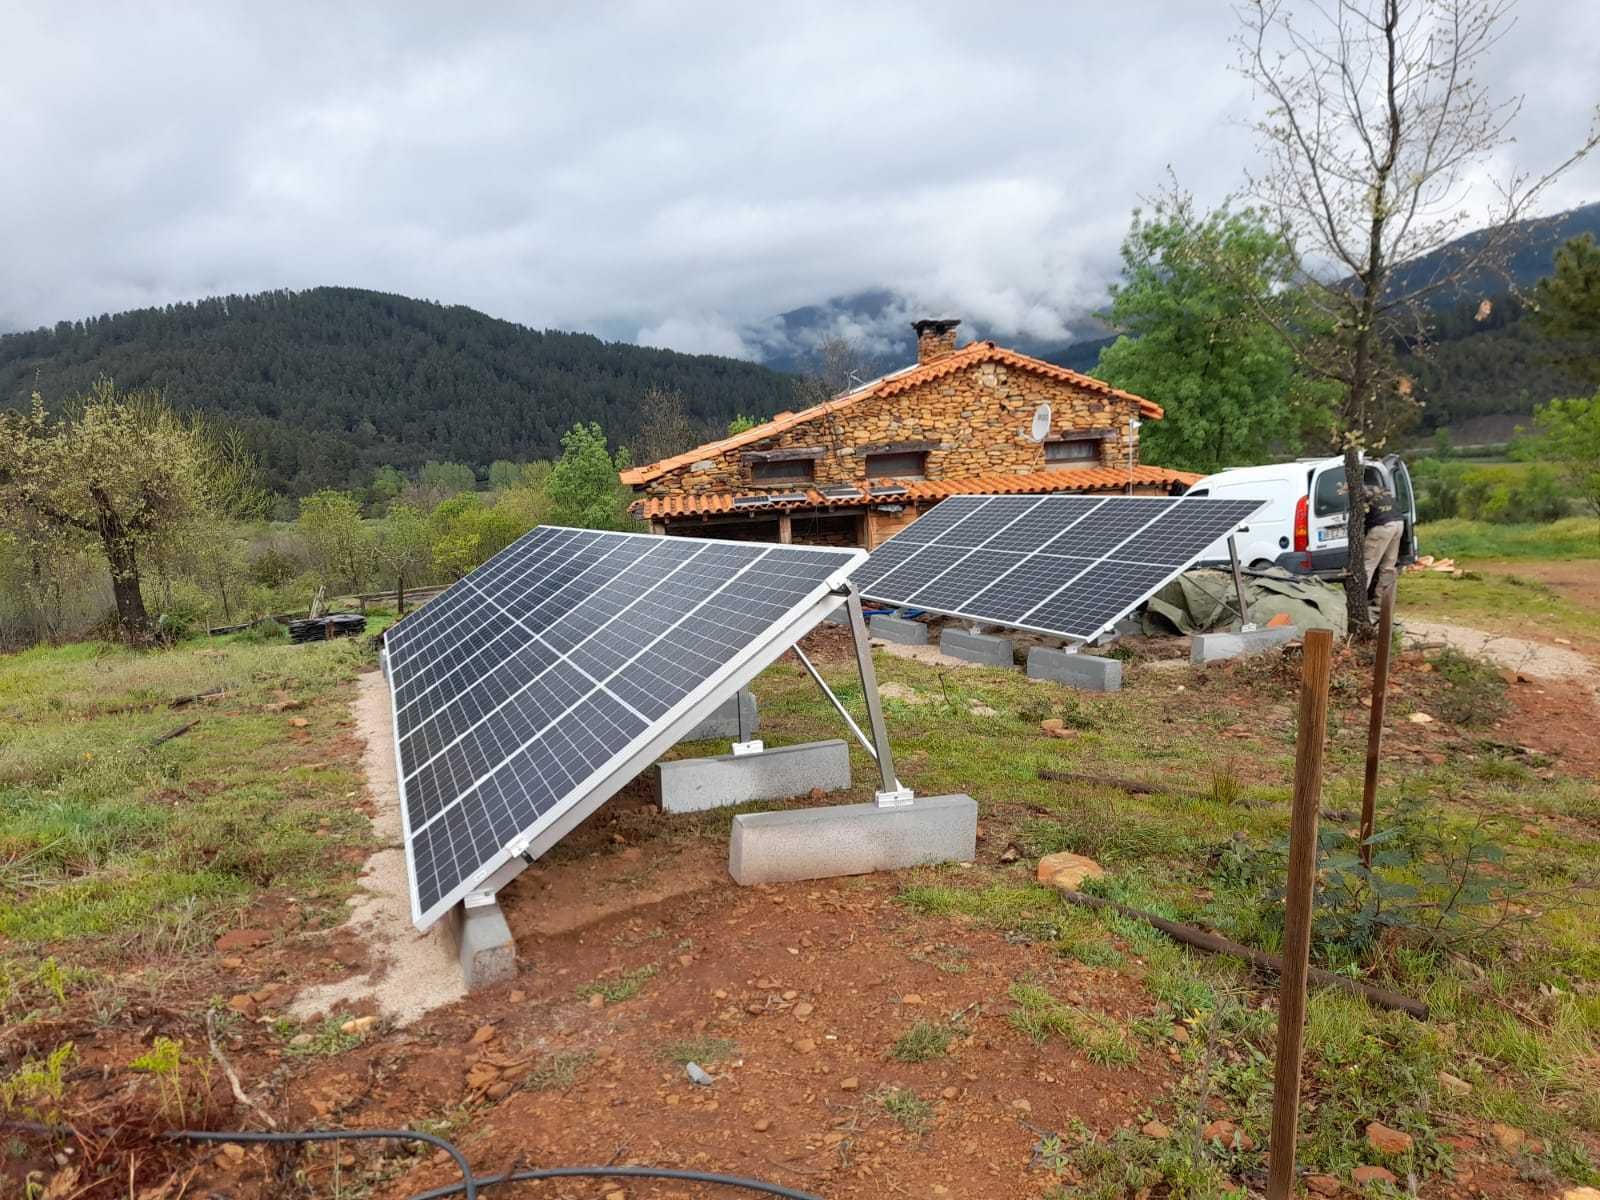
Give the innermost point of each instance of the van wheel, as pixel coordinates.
(1262, 564)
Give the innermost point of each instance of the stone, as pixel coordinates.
(986, 649)
(1088, 672)
(1509, 1137)
(904, 630)
(1323, 1185)
(950, 1093)
(483, 944)
(1454, 1085)
(596, 1000)
(762, 1125)
(243, 1005)
(1054, 727)
(911, 998)
(850, 1084)
(1022, 1106)
(1156, 1130)
(1180, 1033)
(358, 1026)
(851, 839)
(1581, 1193)
(697, 784)
(1066, 871)
(1386, 1140)
(805, 1046)
(483, 1034)
(1365, 1175)
(241, 939)
(1420, 718)
(1229, 1134)
(803, 1010)
(1220, 647)
(301, 1040)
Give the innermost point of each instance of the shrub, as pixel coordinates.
(1474, 692)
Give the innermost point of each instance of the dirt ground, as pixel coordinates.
(636, 949)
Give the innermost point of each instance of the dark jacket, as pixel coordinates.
(1382, 507)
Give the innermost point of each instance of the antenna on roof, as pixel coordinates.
(1040, 429)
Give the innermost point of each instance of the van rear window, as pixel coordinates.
(1330, 495)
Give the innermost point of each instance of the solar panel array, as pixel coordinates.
(532, 679)
(1063, 565)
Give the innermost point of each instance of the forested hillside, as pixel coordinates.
(332, 382)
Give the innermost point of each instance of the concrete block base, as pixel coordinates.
(983, 648)
(483, 944)
(1219, 647)
(1086, 671)
(898, 629)
(723, 723)
(696, 784)
(851, 839)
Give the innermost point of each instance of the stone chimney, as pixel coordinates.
(935, 339)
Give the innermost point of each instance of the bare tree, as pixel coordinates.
(1376, 124)
(665, 427)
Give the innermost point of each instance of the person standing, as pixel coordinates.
(1385, 525)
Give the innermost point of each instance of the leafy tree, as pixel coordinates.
(1196, 344)
(583, 486)
(464, 532)
(121, 471)
(404, 549)
(338, 540)
(665, 428)
(446, 479)
(740, 424)
(1569, 436)
(503, 474)
(1567, 305)
(387, 484)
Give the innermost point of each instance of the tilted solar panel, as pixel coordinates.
(1064, 565)
(539, 684)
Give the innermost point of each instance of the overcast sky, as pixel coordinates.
(666, 173)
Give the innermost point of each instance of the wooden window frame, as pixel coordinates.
(921, 457)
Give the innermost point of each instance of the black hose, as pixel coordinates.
(470, 1183)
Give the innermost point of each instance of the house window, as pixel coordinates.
(1072, 452)
(784, 470)
(901, 464)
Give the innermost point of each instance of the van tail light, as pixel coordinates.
(1302, 525)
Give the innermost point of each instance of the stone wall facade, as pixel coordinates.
(971, 422)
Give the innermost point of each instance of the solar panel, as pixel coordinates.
(1064, 565)
(531, 690)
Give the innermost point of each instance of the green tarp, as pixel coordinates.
(1203, 601)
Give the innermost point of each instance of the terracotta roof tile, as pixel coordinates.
(888, 385)
(1087, 479)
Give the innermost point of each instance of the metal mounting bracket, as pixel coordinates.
(753, 746)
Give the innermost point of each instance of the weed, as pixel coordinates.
(905, 1106)
(326, 1038)
(1474, 692)
(1226, 787)
(1041, 1016)
(623, 987)
(922, 1042)
(36, 1088)
(165, 1060)
(557, 1072)
(700, 1050)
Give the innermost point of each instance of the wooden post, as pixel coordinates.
(785, 528)
(1380, 696)
(1312, 732)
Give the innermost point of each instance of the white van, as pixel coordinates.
(1303, 526)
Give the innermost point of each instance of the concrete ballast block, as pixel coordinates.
(1219, 647)
(851, 839)
(898, 629)
(483, 944)
(985, 648)
(1086, 671)
(723, 723)
(696, 784)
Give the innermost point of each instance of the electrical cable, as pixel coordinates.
(470, 1184)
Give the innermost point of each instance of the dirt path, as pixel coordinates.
(1539, 660)
(414, 973)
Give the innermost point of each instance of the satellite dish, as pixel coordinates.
(1041, 423)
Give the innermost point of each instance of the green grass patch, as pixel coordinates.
(557, 1072)
(1041, 1016)
(321, 1040)
(618, 988)
(913, 1113)
(1571, 537)
(924, 1041)
(701, 1050)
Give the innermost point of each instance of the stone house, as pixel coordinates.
(853, 469)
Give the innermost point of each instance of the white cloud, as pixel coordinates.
(675, 173)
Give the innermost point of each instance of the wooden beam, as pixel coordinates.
(1380, 697)
(785, 529)
(787, 454)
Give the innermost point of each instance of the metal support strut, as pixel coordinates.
(893, 793)
(1245, 624)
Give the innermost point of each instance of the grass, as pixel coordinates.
(1489, 598)
(1041, 1017)
(616, 989)
(327, 1038)
(1571, 537)
(923, 1042)
(104, 836)
(701, 1050)
(557, 1072)
(912, 1112)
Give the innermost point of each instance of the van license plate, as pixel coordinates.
(1331, 533)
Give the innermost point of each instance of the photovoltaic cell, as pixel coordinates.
(1065, 565)
(530, 687)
